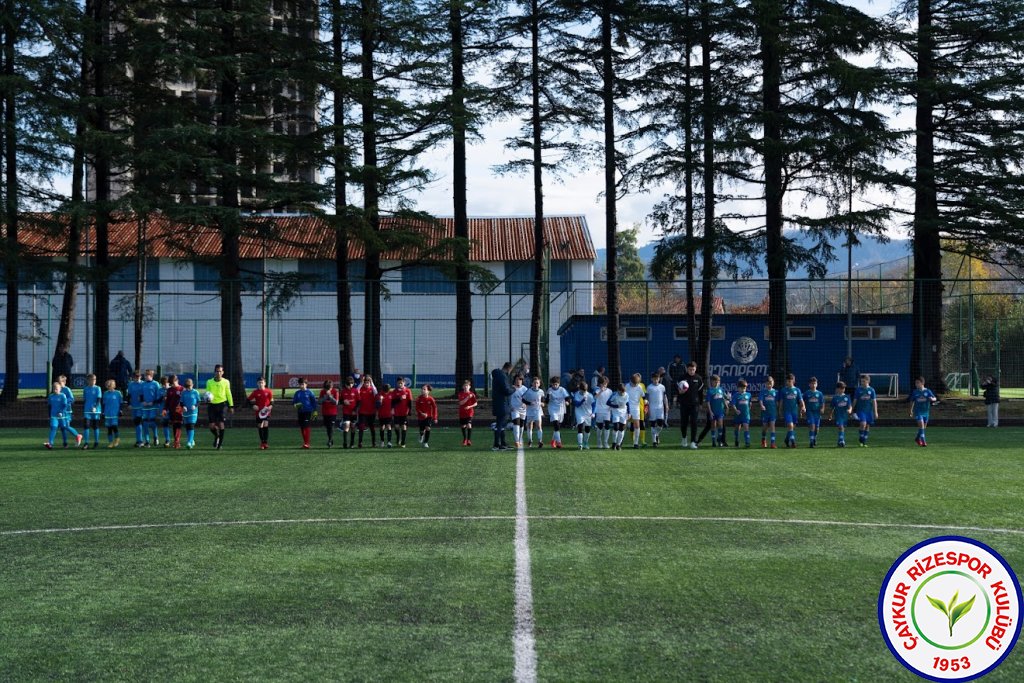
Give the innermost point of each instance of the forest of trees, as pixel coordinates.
(760, 117)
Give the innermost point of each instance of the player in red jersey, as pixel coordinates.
(401, 406)
(262, 402)
(173, 412)
(426, 411)
(385, 413)
(349, 413)
(330, 399)
(467, 404)
(367, 410)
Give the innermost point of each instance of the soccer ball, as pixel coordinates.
(207, 396)
(684, 386)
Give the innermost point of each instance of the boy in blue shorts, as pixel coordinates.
(814, 401)
(112, 401)
(189, 402)
(717, 401)
(92, 397)
(793, 408)
(921, 400)
(65, 424)
(865, 406)
(57, 407)
(769, 410)
(135, 403)
(842, 406)
(740, 404)
(151, 402)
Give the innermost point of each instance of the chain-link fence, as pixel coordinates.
(180, 323)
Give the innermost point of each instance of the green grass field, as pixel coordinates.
(396, 565)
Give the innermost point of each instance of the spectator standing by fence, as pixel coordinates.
(990, 385)
(120, 371)
(849, 373)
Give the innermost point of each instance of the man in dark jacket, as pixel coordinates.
(990, 385)
(120, 370)
(690, 402)
(501, 390)
(676, 372)
(850, 374)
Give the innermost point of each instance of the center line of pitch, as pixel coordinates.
(525, 670)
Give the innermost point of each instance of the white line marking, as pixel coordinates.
(768, 520)
(525, 668)
(507, 518)
(256, 522)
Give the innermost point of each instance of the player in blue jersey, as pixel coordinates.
(740, 404)
(814, 401)
(842, 406)
(57, 407)
(921, 400)
(65, 423)
(135, 404)
(793, 408)
(717, 404)
(92, 397)
(112, 401)
(865, 406)
(151, 402)
(189, 402)
(769, 411)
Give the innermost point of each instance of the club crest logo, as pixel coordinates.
(744, 350)
(949, 609)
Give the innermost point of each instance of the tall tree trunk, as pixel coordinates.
(98, 22)
(346, 360)
(464, 336)
(537, 309)
(771, 67)
(10, 152)
(370, 13)
(139, 305)
(608, 97)
(926, 347)
(66, 330)
(691, 322)
(709, 267)
(230, 221)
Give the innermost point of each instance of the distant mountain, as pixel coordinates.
(866, 258)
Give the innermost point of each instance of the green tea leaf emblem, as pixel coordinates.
(954, 612)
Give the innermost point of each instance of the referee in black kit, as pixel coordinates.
(690, 402)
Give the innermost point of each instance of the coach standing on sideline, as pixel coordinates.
(690, 402)
(850, 374)
(501, 390)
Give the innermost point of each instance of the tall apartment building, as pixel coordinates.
(293, 111)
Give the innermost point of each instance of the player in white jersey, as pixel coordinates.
(635, 391)
(657, 408)
(533, 399)
(619, 405)
(518, 410)
(583, 404)
(602, 413)
(556, 398)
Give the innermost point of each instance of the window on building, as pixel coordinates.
(797, 332)
(321, 275)
(870, 332)
(519, 276)
(124, 278)
(426, 280)
(680, 333)
(630, 333)
(206, 276)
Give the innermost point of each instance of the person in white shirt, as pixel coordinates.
(602, 413)
(518, 410)
(533, 399)
(657, 407)
(556, 398)
(635, 392)
(583, 402)
(619, 405)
